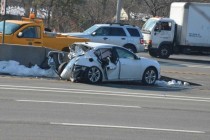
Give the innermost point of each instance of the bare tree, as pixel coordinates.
(78, 15)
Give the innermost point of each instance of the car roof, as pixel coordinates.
(96, 45)
(117, 25)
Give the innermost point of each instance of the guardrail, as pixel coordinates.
(25, 55)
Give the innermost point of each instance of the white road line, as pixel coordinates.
(75, 103)
(111, 93)
(196, 66)
(98, 91)
(129, 127)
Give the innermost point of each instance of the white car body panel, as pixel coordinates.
(120, 40)
(124, 70)
(129, 69)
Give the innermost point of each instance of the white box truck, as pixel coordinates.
(186, 30)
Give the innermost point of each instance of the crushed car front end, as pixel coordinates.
(74, 70)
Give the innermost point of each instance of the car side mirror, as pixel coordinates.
(157, 29)
(93, 34)
(20, 34)
(137, 58)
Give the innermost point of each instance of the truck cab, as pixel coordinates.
(31, 31)
(159, 36)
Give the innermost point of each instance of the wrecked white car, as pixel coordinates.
(95, 62)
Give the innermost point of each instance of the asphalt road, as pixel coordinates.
(52, 109)
(191, 68)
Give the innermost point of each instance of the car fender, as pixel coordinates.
(146, 63)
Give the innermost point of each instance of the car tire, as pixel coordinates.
(164, 51)
(152, 53)
(93, 75)
(131, 48)
(61, 68)
(150, 76)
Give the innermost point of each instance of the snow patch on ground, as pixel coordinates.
(14, 68)
(172, 83)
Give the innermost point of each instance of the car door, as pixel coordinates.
(100, 35)
(30, 35)
(109, 63)
(117, 36)
(163, 34)
(130, 65)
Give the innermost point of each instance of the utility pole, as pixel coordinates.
(119, 8)
(3, 13)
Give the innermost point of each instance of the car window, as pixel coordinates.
(166, 26)
(31, 32)
(10, 28)
(133, 32)
(115, 31)
(103, 31)
(91, 29)
(110, 31)
(122, 53)
(104, 53)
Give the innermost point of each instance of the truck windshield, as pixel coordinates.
(10, 28)
(148, 26)
(91, 29)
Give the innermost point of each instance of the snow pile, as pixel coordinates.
(20, 11)
(15, 10)
(172, 83)
(14, 68)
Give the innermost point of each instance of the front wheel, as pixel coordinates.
(149, 76)
(164, 51)
(93, 75)
(152, 53)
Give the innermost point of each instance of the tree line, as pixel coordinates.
(78, 15)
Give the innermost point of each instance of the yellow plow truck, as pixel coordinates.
(31, 31)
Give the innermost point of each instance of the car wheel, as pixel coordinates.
(149, 76)
(131, 48)
(61, 68)
(152, 53)
(164, 51)
(93, 75)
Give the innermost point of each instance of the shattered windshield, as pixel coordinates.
(78, 50)
(10, 28)
(148, 26)
(91, 29)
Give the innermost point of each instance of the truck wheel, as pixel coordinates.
(152, 53)
(93, 75)
(131, 48)
(149, 76)
(164, 51)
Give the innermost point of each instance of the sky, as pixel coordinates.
(14, 68)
